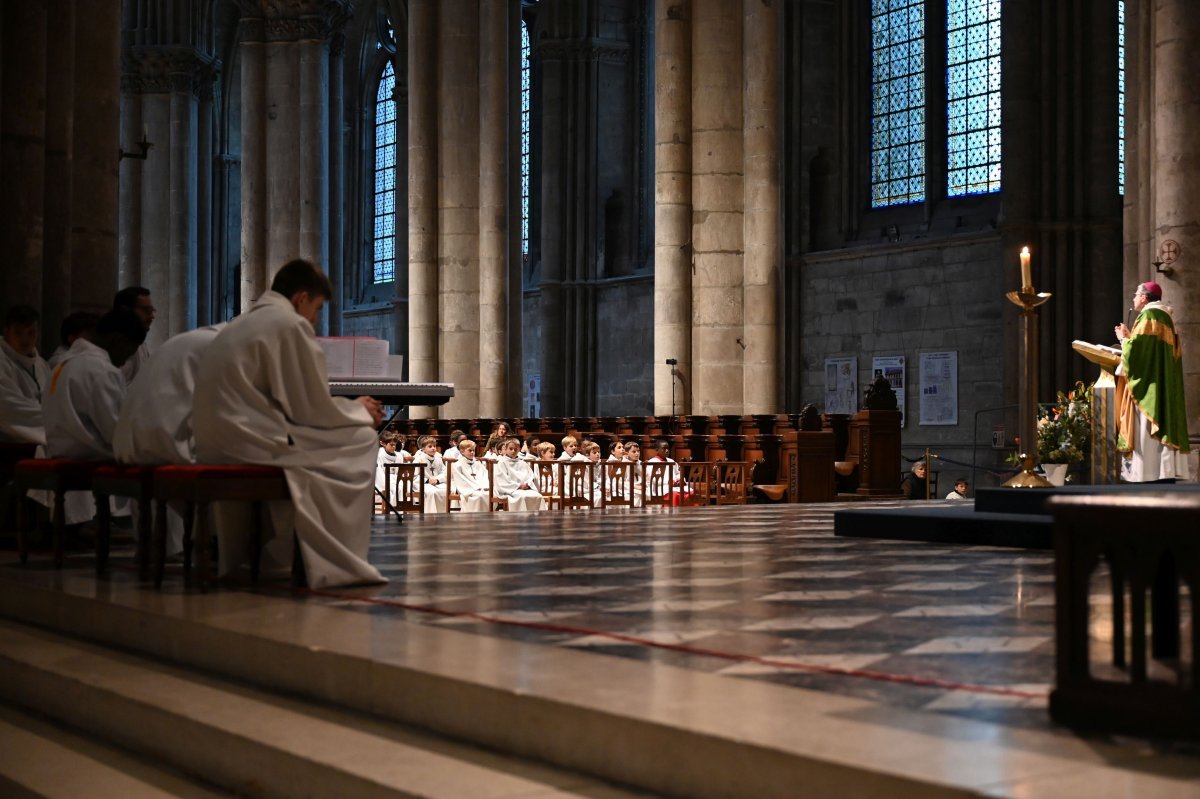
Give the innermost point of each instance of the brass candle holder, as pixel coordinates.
(1028, 300)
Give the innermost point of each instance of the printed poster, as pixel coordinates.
(841, 385)
(891, 367)
(939, 388)
(533, 396)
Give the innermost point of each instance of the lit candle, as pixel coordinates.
(1026, 272)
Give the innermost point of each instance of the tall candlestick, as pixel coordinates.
(1026, 272)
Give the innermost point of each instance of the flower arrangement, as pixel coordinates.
(1064, 429)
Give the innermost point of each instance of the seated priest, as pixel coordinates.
(23, 378)
(262, 396)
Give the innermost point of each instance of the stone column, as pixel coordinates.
(493, 207)
(422, 195)
(1175, 106)
(23, 149)
(95, 171)
(60, 109)
(253, 175)
(717, 205)
(161, 87)
(672, 202)
(336, 183)
(762, 232)
(458, 201)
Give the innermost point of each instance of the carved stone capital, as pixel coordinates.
(295, 20)
(167, 70)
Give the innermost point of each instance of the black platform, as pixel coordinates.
(1003, 517)
(947, 525)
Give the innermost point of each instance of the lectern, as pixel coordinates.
(1104, 466)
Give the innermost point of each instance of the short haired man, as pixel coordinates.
(73, 326)
(23, 378)
(262, 396)
(136, 299)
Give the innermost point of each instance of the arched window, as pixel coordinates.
(972, 96)
(1121, 96)
(897, 102)
(525, 147)
(384, 261)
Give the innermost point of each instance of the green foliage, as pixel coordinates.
(1064, 429)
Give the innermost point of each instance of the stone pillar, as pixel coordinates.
(762, 231)
(516, 272)
(161, 86)
(60, 110)
(422, 195)
(717, 205)
(95, 171)
(458, 202)
(254, 276)
(1175, 106)
(336, 183)
(493, 207)
(672, 203)
(23, 149)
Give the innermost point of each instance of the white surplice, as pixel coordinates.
(262, 396)
(470, 482)
(435, 481)
(23, 381)
(155, 423)
(80, 409)
(509, 474)
(131, 368)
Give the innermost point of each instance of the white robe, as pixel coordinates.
(56, 357)
(435, 469)
(262, 396)
(1150, 460)
(135, 363)
(509, 473)
(23, 381)
(80, 408)
(470, 482)
(382, 459)
(155, 423)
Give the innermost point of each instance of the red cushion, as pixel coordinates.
(59, 466)
(125, 471)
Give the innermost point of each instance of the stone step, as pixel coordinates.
(42, 759)
(245, 740)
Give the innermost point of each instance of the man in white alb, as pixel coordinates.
(262, 396)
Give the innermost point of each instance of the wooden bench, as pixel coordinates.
(58, 476)
(124, 480)
(197, 486)
(1150, 545)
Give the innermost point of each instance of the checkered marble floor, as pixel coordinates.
(754, 592)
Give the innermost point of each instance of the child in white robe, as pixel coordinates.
(451, 453)
(591, 452)
(493, 447)
(390, 443)
(678, 490)
(470, 479)
(633, 455)
(515, 480)
(24, 377)
(570, 448)
(435, 474)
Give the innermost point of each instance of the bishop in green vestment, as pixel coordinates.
(1151, 415)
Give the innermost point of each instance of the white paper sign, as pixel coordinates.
(350, 357)
(892, 368)
(339, 357)
(939, 388)
(841, 385)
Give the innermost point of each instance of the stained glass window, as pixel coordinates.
(972, 96)
(385, 177)
(1121, 96)
(897, 102)
(524, 138)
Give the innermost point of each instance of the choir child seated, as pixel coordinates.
(515, 480)
(391, 443)
(470, 479)
(570, 447)
(435, 474)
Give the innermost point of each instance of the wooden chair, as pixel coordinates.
(698, 484)
(656, 483)
(547, 481)
(58, 476)
(197, 486)
(406, 486)
(619, 483)
(495, 503)
(730, 481)
(577, 489)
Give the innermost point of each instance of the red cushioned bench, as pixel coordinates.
(58, 476)
(197, 485)
(123, 480)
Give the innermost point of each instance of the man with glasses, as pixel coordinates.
(136, 299)
(1152, 432)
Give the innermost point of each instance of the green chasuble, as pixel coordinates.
(1152, 363)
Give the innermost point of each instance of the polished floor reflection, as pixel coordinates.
(758, 592)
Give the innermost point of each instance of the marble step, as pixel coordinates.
(245, 740)
(42, 759)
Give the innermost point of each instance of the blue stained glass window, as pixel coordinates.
(385, 177)
(1121, 96)
(525, 149)
(897, 102)
(972, 96)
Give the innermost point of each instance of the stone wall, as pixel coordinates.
(905, 300)
(625, 332)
